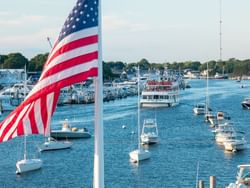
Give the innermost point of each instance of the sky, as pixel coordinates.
(160, 31)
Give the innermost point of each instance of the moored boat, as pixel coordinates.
(149, 133)
(246, 103)
(68, 132)
(243, 177)
(53, 144)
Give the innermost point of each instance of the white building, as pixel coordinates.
(11, 76)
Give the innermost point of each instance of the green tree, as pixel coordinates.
(36, 63)
(15, 61)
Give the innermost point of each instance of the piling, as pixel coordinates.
(201, 184)
(212, 182)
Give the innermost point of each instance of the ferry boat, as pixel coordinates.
(163, 93)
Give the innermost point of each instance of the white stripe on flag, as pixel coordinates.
(6, 123)
(38, 118)
(50, 101)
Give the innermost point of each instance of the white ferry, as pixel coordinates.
(162, 93)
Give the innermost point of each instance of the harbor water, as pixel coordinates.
(185, 141)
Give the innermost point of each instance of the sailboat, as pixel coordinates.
(139, 154)
(25, 164)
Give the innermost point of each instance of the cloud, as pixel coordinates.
(9, 21)
(111, 23)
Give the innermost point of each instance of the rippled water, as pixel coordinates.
(185, 140)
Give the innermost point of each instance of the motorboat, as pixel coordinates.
(218, 118)
(70, 132)
(235, 143)
(199, 109)
(224, 133)
(149, 133)
(53, 144)
(139, 154)
(246, 103)
(243, 177)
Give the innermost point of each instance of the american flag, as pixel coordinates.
(73, 58)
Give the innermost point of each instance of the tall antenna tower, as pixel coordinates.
(220, 60)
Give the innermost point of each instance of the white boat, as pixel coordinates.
(149, 133)
(246, 103)
(235, 143)
(199, 109)
(218, 118)
(68, 132)
(139, 154)
(225, 134)
(26, 165)
(163, 93)
(53, 144)
(243, 177)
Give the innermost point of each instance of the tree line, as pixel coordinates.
(112, 69)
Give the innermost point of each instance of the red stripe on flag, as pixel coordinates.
(33, 121)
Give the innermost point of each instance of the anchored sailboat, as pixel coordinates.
(139, 154)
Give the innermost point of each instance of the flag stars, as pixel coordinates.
(73, 26)
(84, 22)
(91, 9)
(77, 19)
(93, 19)
(85, 5)
(79, 4)
(75, 11)
(87, 15)
(95, 2)
(81, 12)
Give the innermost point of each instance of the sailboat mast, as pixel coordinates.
(138, 101)
(98, 180)
(207, 98)
(24, 91)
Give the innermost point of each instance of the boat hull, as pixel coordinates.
(27, 165)
(157, 104)
(245, 105)
(68, 134)
(149, 140)
(234, 146)
(139, 155)
(54, 145)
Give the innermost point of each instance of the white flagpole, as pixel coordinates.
(98, 181)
